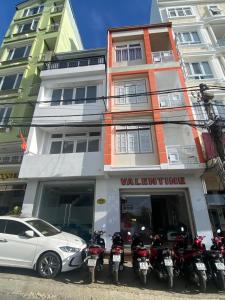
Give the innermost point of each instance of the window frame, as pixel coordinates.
(211, 12)
(28, 14)
(15, 221)
(127, 47)
(75, 138)
(192, 42)
(73, 100)
(201, 76)
(175, 8)
(126, 100)
(25, 55)
(125, 131)
(3, 120)
(2, 79)
(20, 27)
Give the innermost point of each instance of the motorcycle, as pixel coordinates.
(189, 261)
(95, 255)
(116, 257)
(161, 259)
(140, 258)
(215, 262)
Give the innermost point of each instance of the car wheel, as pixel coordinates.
(49, 265)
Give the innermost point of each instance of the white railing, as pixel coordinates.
(162, 56)
(171, 100)
(57, 9)
(178, 154)
(11, 158)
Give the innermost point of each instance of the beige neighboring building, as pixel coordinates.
(199, 27)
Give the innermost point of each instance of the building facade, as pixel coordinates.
(65, 148)
(39, 29)
(199, 31)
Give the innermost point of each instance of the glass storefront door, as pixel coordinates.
(69, 206)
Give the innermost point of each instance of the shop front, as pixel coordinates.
(160, 204)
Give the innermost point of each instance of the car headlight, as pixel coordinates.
(69, 249)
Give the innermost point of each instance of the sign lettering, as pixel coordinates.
(153, 181)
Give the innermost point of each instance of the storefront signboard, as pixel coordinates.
(153, 181)
(8, 175)
(101, 201)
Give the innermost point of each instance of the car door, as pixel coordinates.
(17, 249)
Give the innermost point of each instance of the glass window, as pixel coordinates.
(80, 95)
(128, 52)
(9, 82)
(56, 147)
(5, 114)
(93, 145)
(2, 226)
(92, 94)
(81, 146)
(43, 227)
(19, 52)
(129, 89)
(67, 95)
(18, 81)
(180, 12)
(68, 147)
(56, 97)
(15, 228)
(198, 70)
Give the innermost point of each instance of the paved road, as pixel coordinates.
(18, 284)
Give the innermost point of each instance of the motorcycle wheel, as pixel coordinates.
(115, 277)
(143, 278)
(92, 275)
(220, 280)
(202, 283)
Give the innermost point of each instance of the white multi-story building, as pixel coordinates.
(199, 28)
(64, 158)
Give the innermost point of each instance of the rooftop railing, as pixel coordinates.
(73, 63)
(162, 56)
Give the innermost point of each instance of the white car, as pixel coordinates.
(35, 244)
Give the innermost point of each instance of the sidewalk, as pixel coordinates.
(18, 284)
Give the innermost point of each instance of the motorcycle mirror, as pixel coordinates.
(218, 230)
(142, 228)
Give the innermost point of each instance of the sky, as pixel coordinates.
(93, 17)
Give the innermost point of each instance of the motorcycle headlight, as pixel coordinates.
(69, 249)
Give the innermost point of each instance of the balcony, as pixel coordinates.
(57, 9)
(171, 100)
(185, 155)
(53, 27)
(162, 56)
(11, 158)
(73, 63)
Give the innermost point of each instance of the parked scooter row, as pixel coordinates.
(184, 259)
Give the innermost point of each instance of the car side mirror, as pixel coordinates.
(29, 233)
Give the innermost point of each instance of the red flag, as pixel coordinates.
(23, 142)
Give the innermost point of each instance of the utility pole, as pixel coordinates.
(215, 128)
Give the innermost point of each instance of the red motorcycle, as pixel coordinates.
(95, 255)
(190, 260)
(161, 259)
(116, 258)
(140, 258)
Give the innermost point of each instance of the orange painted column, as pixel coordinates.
(108, 140)
(147, 44)
(173, 44)
(191, 117)
(159, 131)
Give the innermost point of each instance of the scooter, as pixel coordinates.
(190, 261)
(161, 259)
(140, 258)
(95, 255)
(116, 258)
(215, 262)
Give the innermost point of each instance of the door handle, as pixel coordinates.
(3, 241)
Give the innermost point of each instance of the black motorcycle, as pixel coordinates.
(116, 258)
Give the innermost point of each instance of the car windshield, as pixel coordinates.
(43, 227)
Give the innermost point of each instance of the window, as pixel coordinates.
(188, 37)
(27, 27)
(5, 113)
(219, 108)
(19, 52)
(79, 95)
(33, 11)
(198, 70)
(128, 52)
(75, 143)
(126, 89)
(214, 10)
(133, 139)
(15, 228)
(10, 82)
(180, 12)
(2, 226)
(200, 113)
